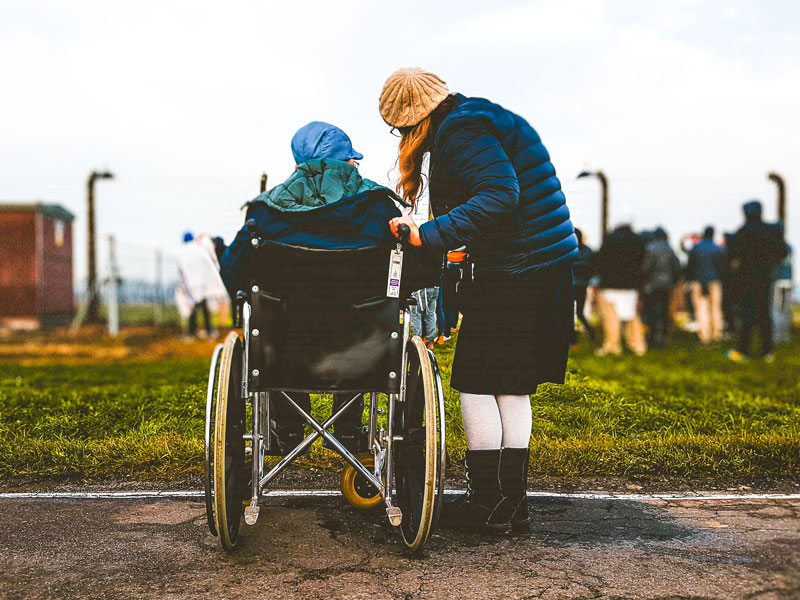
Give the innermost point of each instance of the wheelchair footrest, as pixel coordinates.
(251, 514)
(395, 515)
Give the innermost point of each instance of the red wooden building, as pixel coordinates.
(36, 286)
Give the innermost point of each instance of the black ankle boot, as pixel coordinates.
(477, 509)
(514, 487)
(353, 437)
(348, 429)
(285, 438)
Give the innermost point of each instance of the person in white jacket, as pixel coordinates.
(200, 287)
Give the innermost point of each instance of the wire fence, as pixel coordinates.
(148, 270)
(146, 277)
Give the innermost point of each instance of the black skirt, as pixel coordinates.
(515, 333)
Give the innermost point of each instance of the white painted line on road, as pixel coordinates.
(198, 494)
(99, 495)
(673, 497)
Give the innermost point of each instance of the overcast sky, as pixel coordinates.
(686, 105)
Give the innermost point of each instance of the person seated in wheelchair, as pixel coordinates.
(325, 203)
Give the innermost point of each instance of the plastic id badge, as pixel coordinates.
(395, 270)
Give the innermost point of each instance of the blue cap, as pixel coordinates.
(322, 140)
(188, 237)
(752, 208)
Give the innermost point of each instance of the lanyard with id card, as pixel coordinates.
(395, 271)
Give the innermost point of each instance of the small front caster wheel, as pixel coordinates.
(359, 492)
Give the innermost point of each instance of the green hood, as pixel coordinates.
(317, 183)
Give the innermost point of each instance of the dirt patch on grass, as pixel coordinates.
(93, 345)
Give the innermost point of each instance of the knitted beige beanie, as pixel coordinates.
(410, 95)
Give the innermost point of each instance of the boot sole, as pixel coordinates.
(521, 527)
(504, 529)
(499, 529)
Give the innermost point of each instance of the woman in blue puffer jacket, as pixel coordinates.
(493, 189)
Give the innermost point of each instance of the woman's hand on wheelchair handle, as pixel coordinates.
(413, 237)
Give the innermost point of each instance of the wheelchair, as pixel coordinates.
(323, 321)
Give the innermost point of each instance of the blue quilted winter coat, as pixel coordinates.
(324, 204)
(494, 189)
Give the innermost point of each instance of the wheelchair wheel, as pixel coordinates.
(230, 477)
(359, 492)
(441, 446)
(418, 450)
(208, 439)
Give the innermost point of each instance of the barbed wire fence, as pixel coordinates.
(146, 278)
(681, 204)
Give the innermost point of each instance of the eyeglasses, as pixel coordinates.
(356, 163)
(395, 132)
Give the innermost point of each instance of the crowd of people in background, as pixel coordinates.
(636, 285)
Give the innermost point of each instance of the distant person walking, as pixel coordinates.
(782, 299)
(200, 288)
(731, 293)
(755, 251)
(423, 314)
(618, 264)
(660, 270)
(581, 275)
(705, 271)
(493, 189)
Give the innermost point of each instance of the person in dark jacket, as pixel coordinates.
(705, 271)
(325, 203)
(581, 275)
(660, 270)
(618, 265)
(755, 250)
(493, 189)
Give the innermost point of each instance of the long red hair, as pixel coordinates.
(415, 142)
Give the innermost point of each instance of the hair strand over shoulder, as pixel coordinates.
(415, 142)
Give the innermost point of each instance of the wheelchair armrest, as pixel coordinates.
(241, 296)
(377, 301)
(252, 229)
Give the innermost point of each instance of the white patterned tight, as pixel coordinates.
(492, 422)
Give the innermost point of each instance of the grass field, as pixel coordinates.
(137, 413)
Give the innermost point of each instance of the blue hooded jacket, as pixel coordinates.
(494, 189)
(324, 204)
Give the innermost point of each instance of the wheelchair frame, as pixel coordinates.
(258, 438)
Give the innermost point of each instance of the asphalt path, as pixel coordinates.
(318, 547)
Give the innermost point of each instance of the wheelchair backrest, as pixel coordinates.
(324, 320)
(319, 276)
